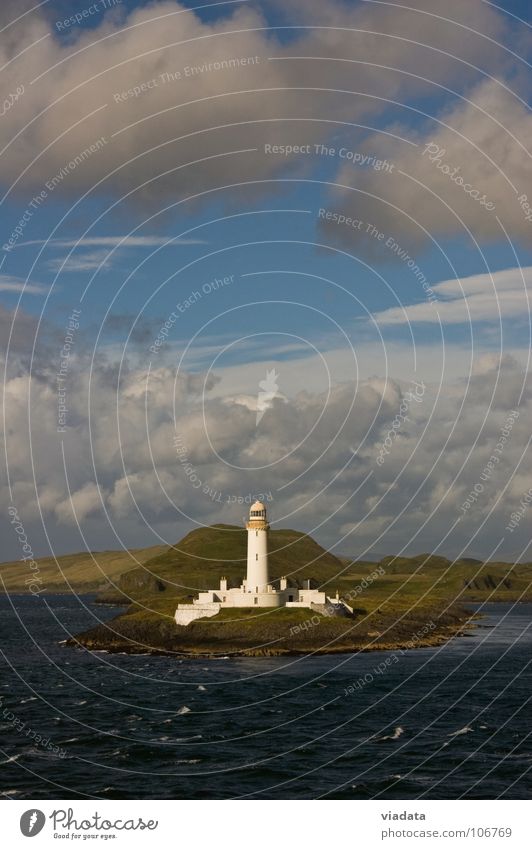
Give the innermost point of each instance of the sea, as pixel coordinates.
(437, 723)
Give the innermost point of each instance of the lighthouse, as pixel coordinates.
(255, 590)
(257, 528)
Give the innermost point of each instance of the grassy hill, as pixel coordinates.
(199, 560)
(83, 572)
(442, 580)
(161, 576)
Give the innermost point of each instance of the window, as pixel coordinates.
(256, 557)
(256, 600)
(290, 598)
(256, 533)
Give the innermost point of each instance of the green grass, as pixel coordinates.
(83, 572)
(169, 575)
(199, 560)
(407, 586)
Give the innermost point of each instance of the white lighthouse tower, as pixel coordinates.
(255, 590)
(257, 528)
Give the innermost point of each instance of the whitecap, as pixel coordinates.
(395, 736)
(36, 752)
(202, 689)
(183, 710)
(188, 739)
(10, 760)
(465, 730)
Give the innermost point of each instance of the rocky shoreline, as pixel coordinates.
(210, 639)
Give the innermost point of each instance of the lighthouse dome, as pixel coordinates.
(257, 510)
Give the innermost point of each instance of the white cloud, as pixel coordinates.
(8, 283)
(85, 261)
(467, 174)
(164, 89)
(329, 445)
(103, 259)
(504, 294)
(78, 506)
(113, 242)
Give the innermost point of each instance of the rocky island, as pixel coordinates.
(397, 603)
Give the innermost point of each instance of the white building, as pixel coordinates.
(255, 590)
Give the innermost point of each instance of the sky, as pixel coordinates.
(267, 248)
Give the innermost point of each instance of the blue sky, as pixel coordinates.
(188, 220)
(61, 222)
(246, 243)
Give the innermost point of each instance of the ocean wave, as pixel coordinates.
(395, 736)
(465, 730)
(11, 759)
(461, 731)
(188, 739)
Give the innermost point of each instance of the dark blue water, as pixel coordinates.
(457, 719)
